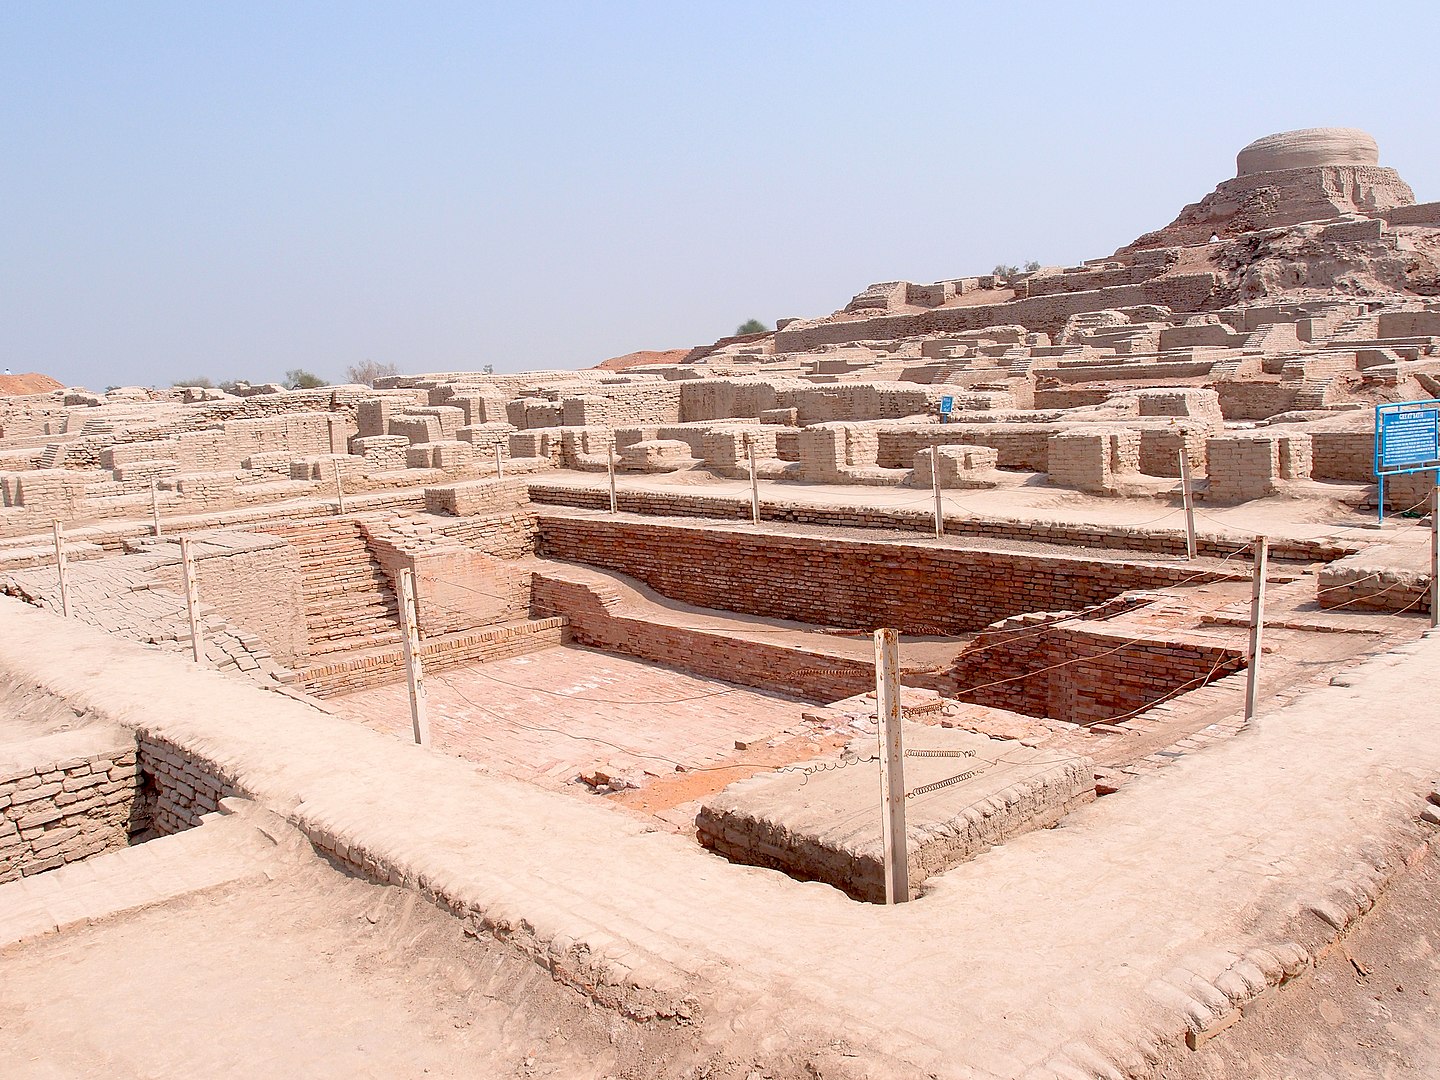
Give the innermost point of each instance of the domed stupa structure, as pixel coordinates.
(1308, 148)
(1313, 174)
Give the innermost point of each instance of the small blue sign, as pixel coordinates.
(1407, 439)
(947, 404)
(1407, 436)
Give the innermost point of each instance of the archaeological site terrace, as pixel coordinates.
(540, 724)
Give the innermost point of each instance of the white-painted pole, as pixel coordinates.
(1188, 494)
(892, 767)
(1435, 553)
(414, 674)
(62, 570)
(339, 491)
(614, 504)
(499, 468)
(754, 482)
(1261, 552)
(192, 600)
(935, 485)
(154, 506)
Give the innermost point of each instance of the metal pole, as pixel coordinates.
(935, 485)
(892, 767)
(499, 468)
(154, 506)
(613, 504)
(339, 491)
(754, 482)
(1261, 550)
(62, 570)
(192, 600)
(1435, 553)
(410, 639)
(1188, 493)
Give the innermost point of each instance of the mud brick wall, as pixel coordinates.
(57, 811)
(617, 406)
(478, 647)
(1182, 292)
(1252, 400)
(843, 582)
(1357, 584)
(782, 669)
(1114, 538)
(1343, 455)
(1023, 447)
(256, 585)
(721, 399)
(1083, 675)
(179, 787)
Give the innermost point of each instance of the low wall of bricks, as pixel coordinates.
(837, 581)
(1111, 538)
(1082, 675)
(66, 797)
(716, 654)
(1358, 584)
(180, 787)
(379, 667)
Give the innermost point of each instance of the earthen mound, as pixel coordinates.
(642, 358)
(28, 383)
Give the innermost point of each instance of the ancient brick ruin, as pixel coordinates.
(699, 655)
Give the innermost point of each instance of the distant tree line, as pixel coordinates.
(365, 373)
(1008, 272)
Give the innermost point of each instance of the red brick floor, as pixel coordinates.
(554, 714)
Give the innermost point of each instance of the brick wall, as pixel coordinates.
(850, 583)
(737, 508)
(1082, 674)
(718, 654)
(57, 809)
(180, 787)
(376, 668)
(255, 582)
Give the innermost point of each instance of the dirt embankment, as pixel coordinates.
(644, 356)
(29, 383)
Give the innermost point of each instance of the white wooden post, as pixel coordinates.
(754, 482)
(192, 601)
(1188, 494)
(414, 674)
(1261, 550)
(499, 468)
(339, 491)
(1435, 553)
(62, 570)
(154, 507)
(892, 767)
(614, 506)
(935, 484)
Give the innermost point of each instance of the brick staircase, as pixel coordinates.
(349, 603)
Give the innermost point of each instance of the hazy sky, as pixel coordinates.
(234, 189)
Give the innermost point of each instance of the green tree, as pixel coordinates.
(751, 326)
(203, 382)
(300, 379)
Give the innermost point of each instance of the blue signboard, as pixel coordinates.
(947, 404)
(1407, 439)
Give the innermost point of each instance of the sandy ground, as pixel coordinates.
(1369, 1010)
(311, 974)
